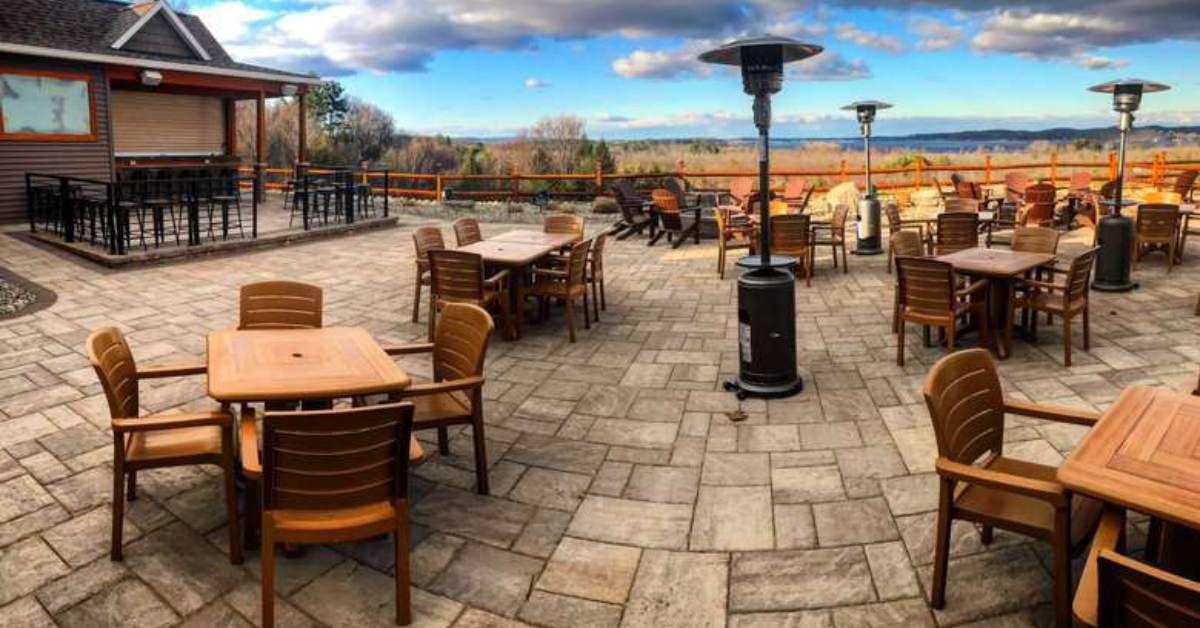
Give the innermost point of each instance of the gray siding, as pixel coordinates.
(158, 37)
(81, 159)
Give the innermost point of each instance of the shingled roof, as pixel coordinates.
(91, 27)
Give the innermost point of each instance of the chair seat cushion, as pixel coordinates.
(184, 442)
(438, 407)
(1026, 511)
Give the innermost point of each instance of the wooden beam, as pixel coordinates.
(173, 78)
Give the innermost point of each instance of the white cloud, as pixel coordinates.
(231, 21)
(853, 34)
(935, 34)
(682, 62)
(536, 83)
(1099, 62)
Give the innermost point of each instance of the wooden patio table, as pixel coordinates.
(1144, 454)
(517, 251)
(1001, 268)
(258, 365)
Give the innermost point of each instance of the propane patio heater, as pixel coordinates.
(870, 242)
(1114, 231)
(767, 291)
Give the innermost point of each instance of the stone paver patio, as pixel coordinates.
(623, 495)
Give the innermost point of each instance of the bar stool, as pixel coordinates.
(228, 201)
(364, 200)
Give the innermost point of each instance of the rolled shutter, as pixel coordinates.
(150, 124)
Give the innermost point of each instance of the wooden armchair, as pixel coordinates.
(1015, 184)
(466, 231)
(929, 296)
(455, 397)
(563, 223)
(1067, 300)
(797, 193)
(791, 235)
(740, 191)
(568, 283)
(280, 305)
(458, 277)
(1184, 183)
(896, 224)
(671, 220)
(595, 274)
(1157, 228)
(331, 476)
(154, 442)
(1038, 205)
(635, 208)
(956, 231)
(955, 205)
(425, 239)
(833, 235)
(980, 485)
(733, 232)
(902, 244)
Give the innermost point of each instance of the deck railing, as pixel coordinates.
(513, 186)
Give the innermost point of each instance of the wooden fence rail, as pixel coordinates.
(915, 176)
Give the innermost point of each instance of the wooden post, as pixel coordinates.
(302, 114)
(917, 173)
(231, 147)
(842, 171)
(599, 180)
(437, 184)
(260, 145)
(987, 169)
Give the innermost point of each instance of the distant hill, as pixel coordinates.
(1141, 134)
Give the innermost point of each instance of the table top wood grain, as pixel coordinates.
(529, 236)
(295, 364)
(1143, 454)
(997, 263)
(519, 248)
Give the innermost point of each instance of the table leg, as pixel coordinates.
(517, 294)
(1004, 340)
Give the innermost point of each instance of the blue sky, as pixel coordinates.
(492, 67)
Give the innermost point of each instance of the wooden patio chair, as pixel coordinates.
(797, 193)
(1110, 536)
(942, 193)
(425, 239)
(1078, 198)
(671, 221)
(634, 209)
(458, 277)
(563, 224)
(1066, 300)
(154, 442)
(1036, 240)
(1156, 229)
(740, 191)
(280, 305)
(902, 244)
(979, 484)
(791, 235)
(1015, 184)
(1038, 206)
(595, 274)
(1183, 185)
(896, 224)
(833, 235)
(331, 476)
(568, 284)
(466, 232)
(956, 231)
(734, 232)
(455, 397)
(958, 205)
(930, 297)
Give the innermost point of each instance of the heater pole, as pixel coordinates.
(762, 119)
(1119, 190)
(866, 131)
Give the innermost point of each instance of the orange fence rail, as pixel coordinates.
(916, 176)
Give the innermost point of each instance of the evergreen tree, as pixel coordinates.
(330, 105)
(602, 156)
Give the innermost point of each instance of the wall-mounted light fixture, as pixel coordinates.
(151, 78)
(288, 90)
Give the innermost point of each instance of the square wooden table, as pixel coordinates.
(1001, 268)
(529, 236)
(296, 364)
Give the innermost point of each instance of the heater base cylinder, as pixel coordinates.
(1114, 235)
(766, 335)
(870, 242)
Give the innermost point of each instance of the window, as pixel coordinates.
(46, 106)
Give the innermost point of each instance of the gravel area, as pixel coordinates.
(14, 298)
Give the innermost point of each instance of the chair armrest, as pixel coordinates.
(172, 370)
(424, 347)
(251, 466)
(1062, 414)
(1038, 489)
(433, 388)
(978, 285)
(171, 422)
(1110, 535)
(550, 272)
(499, 278)
(1044, 285)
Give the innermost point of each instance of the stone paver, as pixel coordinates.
(622, 491)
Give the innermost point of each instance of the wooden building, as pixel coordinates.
(101, 88)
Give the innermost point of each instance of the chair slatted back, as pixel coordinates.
(962, 204)
(466, 231)
(674, 186)
(968, 190)
(113, 362)
(925, 285)
(1157, 222)
(966, 404)
(1133, 593)
(343, 458)
(907, 243)
(668, 209)
(1039, 203)
(456, 275)
(795, 187)
(1035, 240)
(281, 305)
(791, 234)
(838, 223)
(892, 211)
(741, 188)
(1081, 182)
(1079, 276)
(1184, 182)
(563, 223)
(426, 239)
(957, 231)
(577, 262)
(596, 253)
(1014, 187)
(460, 341)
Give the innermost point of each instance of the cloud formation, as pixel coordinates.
(853, 34)
(536, 83)
(935, 34)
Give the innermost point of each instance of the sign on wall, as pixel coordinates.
(46, 106)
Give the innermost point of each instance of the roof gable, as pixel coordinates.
(149, 35)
